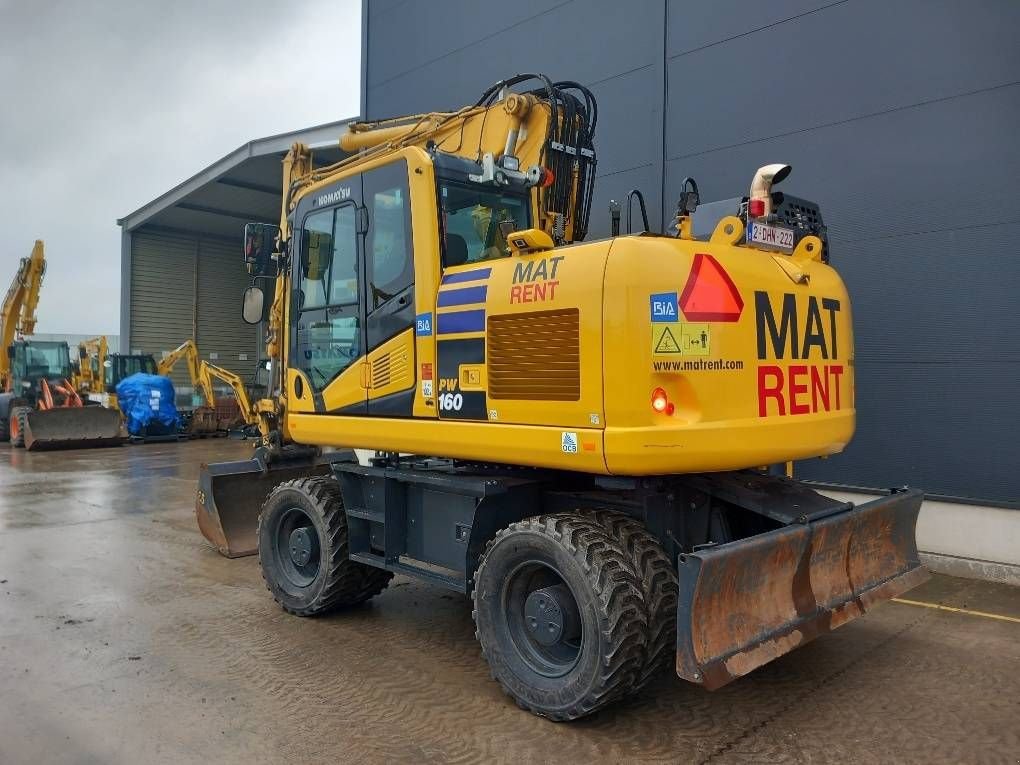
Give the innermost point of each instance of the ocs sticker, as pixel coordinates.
(568, 443)
(663, 306)
(423, 325)
(426, 388)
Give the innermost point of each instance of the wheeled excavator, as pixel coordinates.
(576, 435)
(40, 408)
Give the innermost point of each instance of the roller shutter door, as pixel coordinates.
(223, 338)
(162, 296)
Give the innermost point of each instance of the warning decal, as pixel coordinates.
(680, 339)
(664, 340)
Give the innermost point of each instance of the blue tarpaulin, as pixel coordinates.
(147, 403)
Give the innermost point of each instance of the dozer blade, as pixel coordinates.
(72, 428)
(230, 496)
(745, 603)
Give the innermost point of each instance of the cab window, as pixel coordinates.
(472, 215)
(388, 243)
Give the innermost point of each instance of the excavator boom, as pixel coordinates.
(17, 317)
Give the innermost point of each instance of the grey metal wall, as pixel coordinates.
(899, 118)
(185, 286)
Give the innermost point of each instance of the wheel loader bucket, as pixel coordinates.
(72, 428)
(745, 603)
(230, 497)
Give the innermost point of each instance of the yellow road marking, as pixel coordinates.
(941, 607)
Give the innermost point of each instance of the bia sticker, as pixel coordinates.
(426, 388)
(451, 402)
(663, 306)
(568, 443)
(423, 325)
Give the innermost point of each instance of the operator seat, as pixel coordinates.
(456, 250)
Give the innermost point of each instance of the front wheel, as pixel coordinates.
(303, 550)
(18, 421)
(559, 612)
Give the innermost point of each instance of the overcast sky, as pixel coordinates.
(104, 105)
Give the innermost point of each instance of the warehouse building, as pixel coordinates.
(909, 150)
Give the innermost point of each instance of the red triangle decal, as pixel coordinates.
(710, 294)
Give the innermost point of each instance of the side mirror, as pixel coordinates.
(251, 308)
(259, 244)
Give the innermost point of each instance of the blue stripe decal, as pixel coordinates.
(467, 276)
(460, 321)
(462, 296)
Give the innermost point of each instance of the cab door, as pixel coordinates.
(389, 291)
(328, 337)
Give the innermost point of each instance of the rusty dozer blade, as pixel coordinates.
(230, 495)
(76, 427)
(745, 603)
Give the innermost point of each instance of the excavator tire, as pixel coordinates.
(303, 550)
(658, 584)
(560, 615)
(18, 422)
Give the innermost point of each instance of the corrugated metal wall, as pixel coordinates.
(190, 287)
(899, 119)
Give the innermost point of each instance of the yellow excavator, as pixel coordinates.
(574, 434)
(40, 408)
(205, 419)
(96, 371)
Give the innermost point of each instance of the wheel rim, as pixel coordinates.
(297, 547)
(543, 619)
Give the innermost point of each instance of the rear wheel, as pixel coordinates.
(19, 418)
(659, 587)
(560, 616)
(303, 550)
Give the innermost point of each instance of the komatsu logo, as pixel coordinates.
(341, 194)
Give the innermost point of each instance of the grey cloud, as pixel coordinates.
(105, 105)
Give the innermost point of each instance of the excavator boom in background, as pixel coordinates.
(208, 418)
(568, 431)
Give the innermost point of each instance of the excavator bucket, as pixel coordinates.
(230, 496)
(77, 427)
(745, 603)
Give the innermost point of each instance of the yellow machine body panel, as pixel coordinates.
(566, 350)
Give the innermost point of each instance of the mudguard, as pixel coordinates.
(745, 603)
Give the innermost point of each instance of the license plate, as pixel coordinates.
(775, 237)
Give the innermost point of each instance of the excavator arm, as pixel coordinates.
(208, 372)
(17, 318)
(89, 376)
(189, 351)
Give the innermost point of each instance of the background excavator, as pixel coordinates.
(97, 371)
(216, 414)
(570, 433)
(40, 407)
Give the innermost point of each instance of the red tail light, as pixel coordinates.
(756, 208)
(661, 402)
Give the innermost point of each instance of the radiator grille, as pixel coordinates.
(534, 356)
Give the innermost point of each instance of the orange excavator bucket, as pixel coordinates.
(745, 603)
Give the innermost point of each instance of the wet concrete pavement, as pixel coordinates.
(125, 638)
